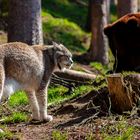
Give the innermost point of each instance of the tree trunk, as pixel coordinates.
(25, 23)
(98, 48)
(108, 2)
(89, 17)
(138, 5)
(124, 91)
(127, 6)
(113, 2)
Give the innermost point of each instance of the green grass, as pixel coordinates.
(63, 22)
(66, 32)
(57, 94)
(6, 134)
(67, 10)
(15, 117)
(119, 131)
(57, 135)
(18, 99)
(102, 69)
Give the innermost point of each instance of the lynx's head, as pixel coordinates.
(62, 57)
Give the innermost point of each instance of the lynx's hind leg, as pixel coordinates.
(2, 79)
(42, 101)
(34, 105)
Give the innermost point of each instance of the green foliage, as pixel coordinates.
(61, 24)
(113, 10)
(128, 135)
(64, 31)
(119, 131)
(67, 10)
(57, 94)
(6, 134)
(19, 98)
(57, 135)
(15, 117)
(81, 90)
(99, 67)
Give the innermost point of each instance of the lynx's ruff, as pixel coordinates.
(29, 68)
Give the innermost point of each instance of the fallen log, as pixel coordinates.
(76, 75)
(124, 91)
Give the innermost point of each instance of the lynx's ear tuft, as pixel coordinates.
(55, 44)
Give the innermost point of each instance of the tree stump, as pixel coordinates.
(124, 91)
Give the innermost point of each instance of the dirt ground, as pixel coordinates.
(74, 131)
(82, 118)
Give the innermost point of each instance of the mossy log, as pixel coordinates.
(124, 91)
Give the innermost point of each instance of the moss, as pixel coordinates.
(66, 9)
(64, 31)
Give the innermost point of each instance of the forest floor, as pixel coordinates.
(80, 118)
(94, 130)
(83, 118)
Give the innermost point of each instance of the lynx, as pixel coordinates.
(29, 68)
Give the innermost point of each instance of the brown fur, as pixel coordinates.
(124, 41)
(29, 68)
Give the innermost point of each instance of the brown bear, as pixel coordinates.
(124, 41)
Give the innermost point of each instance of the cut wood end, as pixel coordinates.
(122, 92)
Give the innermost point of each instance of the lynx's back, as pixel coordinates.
(21, 61)
(23, 66)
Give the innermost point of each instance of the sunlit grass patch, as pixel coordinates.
(55, 93)
(121, 130)
(67, 9)
(81, 90)
(66, 32)
(57, 135)
(102, 69)
(15, 117)
(58, 94)
(5, 134)
(17, 99)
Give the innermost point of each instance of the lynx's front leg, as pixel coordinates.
(42, 101)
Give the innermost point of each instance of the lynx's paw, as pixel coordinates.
(47, 118)
(35, 116)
